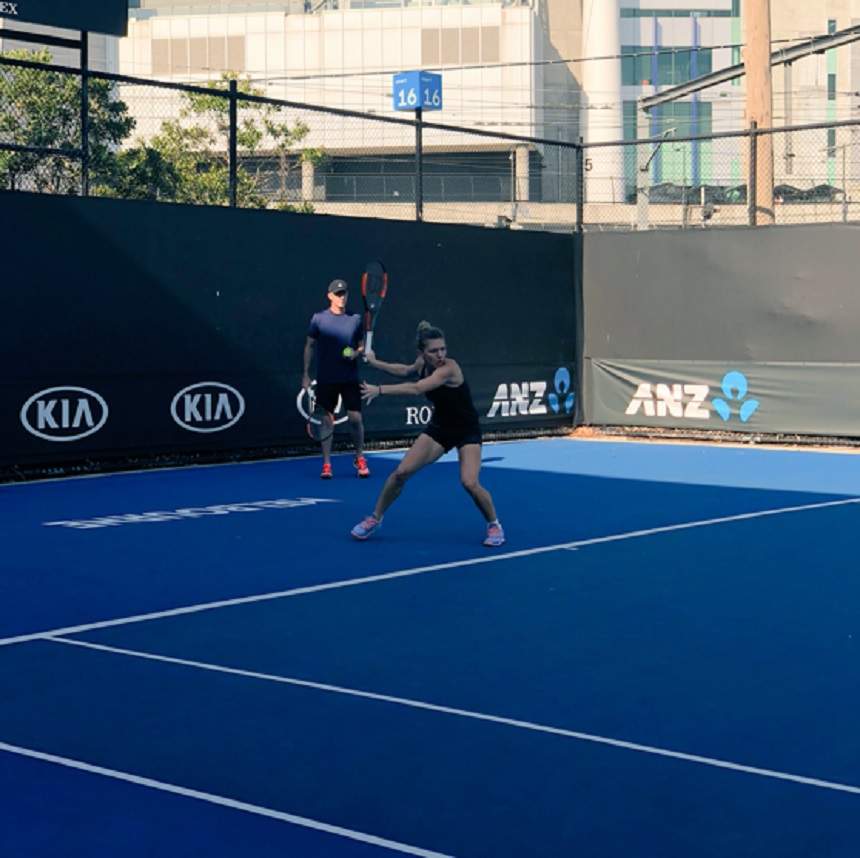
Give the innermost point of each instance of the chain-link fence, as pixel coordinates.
(226, 144)
(804, 174)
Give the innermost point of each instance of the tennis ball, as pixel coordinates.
(348, 352)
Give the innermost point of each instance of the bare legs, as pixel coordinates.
(425, 451)
(470, 466)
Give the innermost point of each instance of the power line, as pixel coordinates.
(530, 63)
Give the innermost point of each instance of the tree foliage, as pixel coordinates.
(186, 161)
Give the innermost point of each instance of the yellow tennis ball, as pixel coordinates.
(348, 352)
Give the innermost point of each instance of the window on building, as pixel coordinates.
(198, 56)
(490, 45)
(676, 13)
(452, 46)
(831, 87)
(430, 47)
(218, 54)
(161, 56)
(471, 45)
(179, 56)
(198, 60)
(831, 142)
(674, 66)
(236, 53)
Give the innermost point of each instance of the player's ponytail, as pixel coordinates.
(425, 332)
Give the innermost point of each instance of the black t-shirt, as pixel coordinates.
(333, 333)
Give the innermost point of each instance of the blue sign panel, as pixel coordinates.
(417, 90)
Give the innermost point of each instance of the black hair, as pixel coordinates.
(425, 332)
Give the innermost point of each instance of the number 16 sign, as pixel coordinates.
(417, 90)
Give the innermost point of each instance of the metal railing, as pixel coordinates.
(79, 131)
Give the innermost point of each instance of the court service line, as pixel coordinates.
(221, 800)
(473, 715)
(419, 570)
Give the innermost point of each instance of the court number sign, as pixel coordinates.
(417, 90)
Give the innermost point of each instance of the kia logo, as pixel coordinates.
(64, 413)
(208, 406)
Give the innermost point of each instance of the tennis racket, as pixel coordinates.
(374, 286)
(320, 423)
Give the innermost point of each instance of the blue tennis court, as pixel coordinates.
(661, 661)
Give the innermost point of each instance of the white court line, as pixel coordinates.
(302, 821)
(476, 716)
(419, 570)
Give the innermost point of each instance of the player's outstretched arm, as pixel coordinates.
(441, 376)
(401, 370)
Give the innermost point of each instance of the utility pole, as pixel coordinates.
(760, 102)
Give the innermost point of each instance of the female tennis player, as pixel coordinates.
(454, 424)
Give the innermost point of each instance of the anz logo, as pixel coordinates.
(530, 397)
(735, 388)
(690, 401)
(525, 397)
(208, 406)
(64, 413)
(671, 400)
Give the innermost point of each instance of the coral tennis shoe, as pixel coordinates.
(366, 527)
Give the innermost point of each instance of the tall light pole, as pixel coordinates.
(760, 102)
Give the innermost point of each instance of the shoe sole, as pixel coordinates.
(325, 476)
(494, 544)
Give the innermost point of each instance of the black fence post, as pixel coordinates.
(234, 142)
(419, 165)
(752, 179)
(580, 186)
(85, 114)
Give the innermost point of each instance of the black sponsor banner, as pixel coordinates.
(111, 415)
(155, 329)
(783, 397)
(97, 16)
(776, 309)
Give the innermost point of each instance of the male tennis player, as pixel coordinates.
(454, 424)
(338, 340)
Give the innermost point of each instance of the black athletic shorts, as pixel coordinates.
(327, 395)
(450, 438)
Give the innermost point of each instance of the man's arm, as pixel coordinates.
(310, 343)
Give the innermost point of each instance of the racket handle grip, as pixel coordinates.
(368, 343)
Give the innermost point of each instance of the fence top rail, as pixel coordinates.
(721, 135)
(402, 121)
(41, 150)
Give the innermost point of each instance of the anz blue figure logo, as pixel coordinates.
(563, 396)
(735, 387)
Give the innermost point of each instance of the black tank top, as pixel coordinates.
(453, 407)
